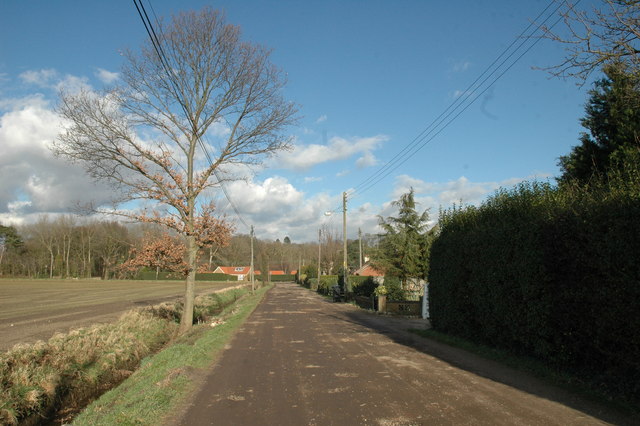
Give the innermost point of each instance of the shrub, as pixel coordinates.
(362, 286)
(326, 282)
(394, 288)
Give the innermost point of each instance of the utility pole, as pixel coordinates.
(345, 270)
(360, 245)
(253, 275)
(319, 247)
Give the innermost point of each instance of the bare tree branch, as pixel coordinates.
(144, 136)
(605, 34)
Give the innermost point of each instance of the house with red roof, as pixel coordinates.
(241, 272)
(369, 271)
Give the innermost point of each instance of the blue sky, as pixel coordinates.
(369, 77)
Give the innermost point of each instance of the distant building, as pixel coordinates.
(238, 271)
(369, 271)
(242, 272)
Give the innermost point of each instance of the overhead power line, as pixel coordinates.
(476, 89)
(157, 45)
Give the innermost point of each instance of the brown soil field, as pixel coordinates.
(32, 310)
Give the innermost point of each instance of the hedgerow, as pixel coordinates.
(547, 273)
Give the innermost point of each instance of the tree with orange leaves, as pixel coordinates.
(182, 114)
(160, 253)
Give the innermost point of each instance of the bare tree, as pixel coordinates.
(146, 135)
(603, 35)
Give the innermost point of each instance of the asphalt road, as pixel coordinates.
(302, 360)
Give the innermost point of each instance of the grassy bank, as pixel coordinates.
(164, 381)
(38, 380)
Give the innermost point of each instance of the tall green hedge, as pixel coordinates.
(547, 273)
(282, 278)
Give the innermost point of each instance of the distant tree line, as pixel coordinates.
(71, 247)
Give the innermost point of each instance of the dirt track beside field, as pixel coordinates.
(32, 310)
(302, 360)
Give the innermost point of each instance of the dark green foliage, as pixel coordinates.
(547, 273)
(612, 121)
(404, 246)
(362, 286)
(394, 288)
(310, 271)
(214, 277)
(282, 278)
(326, 282)
(9, 238)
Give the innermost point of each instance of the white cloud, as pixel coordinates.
(105, 76)
(276, 208)
(51, 79)
(41, 78)
(343, 173)
(367, 160)
(321, 119)
(309, 179)
(461, 66)
(433, 195)
(32, 180)
(458, 93)
(306, 156)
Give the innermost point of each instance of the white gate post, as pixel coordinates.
(425, 301)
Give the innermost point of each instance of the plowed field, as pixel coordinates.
(33, 310)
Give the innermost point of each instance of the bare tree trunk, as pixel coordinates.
(90, 266)
(51, 264)
(67, 254)
(190, 285)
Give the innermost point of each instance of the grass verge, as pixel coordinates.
(56, 379)
(165, 380)
(536, 368)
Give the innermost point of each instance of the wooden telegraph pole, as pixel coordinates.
(253, 275)
(319, 246)
(345, 270)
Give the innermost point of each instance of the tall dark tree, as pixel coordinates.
(10, 240)
(404, 245)
(612, 121)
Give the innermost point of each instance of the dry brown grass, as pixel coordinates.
(77, 366)
(72, 369)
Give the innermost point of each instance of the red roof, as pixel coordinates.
(369, 271)
(244, 270)
(233, 270)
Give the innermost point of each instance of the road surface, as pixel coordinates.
(302, 360)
